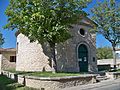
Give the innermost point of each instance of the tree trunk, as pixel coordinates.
(53, 57)
(114, 58)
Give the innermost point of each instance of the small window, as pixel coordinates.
(93, 59)
(82, 31)
(12, 58)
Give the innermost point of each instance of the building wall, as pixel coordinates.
(109, 62)
(68, 54)
(30, 56)
(0, 63)
(5, 61)
(117, 51)
(117, 54)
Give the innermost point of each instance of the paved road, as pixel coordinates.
(104, 85)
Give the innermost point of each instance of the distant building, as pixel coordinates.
(109, 63)
(7, 59)
(118, 51)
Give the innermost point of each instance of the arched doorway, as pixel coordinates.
(83, 58)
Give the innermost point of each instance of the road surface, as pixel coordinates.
(104, 85)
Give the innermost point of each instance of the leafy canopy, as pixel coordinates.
(1, 39)
(45, 20)
(104, 53)
(107, 15)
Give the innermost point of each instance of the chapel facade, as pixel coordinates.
(77, 54)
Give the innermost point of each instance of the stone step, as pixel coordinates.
(101, 78)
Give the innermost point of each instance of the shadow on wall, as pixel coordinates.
(46, 51)
(59, 55)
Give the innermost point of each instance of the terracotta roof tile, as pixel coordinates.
(7, 49)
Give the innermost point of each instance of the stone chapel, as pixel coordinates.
(77, 54)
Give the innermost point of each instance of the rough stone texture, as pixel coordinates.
(21, 79)
(58, 83)
(12, 76)
(113, 75)
(51, 83)
(5, 61)
(68, 55)
(30, 56)
(6, 73)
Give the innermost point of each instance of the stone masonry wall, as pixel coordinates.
(68, 55)
(51, 83)
(30, 56)
(58, 83)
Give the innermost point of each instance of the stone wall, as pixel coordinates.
(113, 75)
(67, 54)
(35, 57)
(51, 83)
(58, 82)
(30, 56)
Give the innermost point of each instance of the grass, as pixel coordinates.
(8, 84)
(118, 70)
(50, 74)
(44, 74)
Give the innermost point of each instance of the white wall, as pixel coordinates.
(118, 54)
(0, 62)
(30, 56)
(6, 64)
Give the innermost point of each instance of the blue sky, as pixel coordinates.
(10, 39)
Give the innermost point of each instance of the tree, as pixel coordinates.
(1, 40)
(45, 20)
(104, 53)
(107, 15)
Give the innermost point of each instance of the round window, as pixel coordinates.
(82, 31)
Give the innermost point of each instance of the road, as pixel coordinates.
(104, 85)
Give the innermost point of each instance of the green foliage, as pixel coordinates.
(1, 40)
(45, 20)
(8, 84)
(44, 74)
(104, 53)
(50, 74)
(107, 15)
